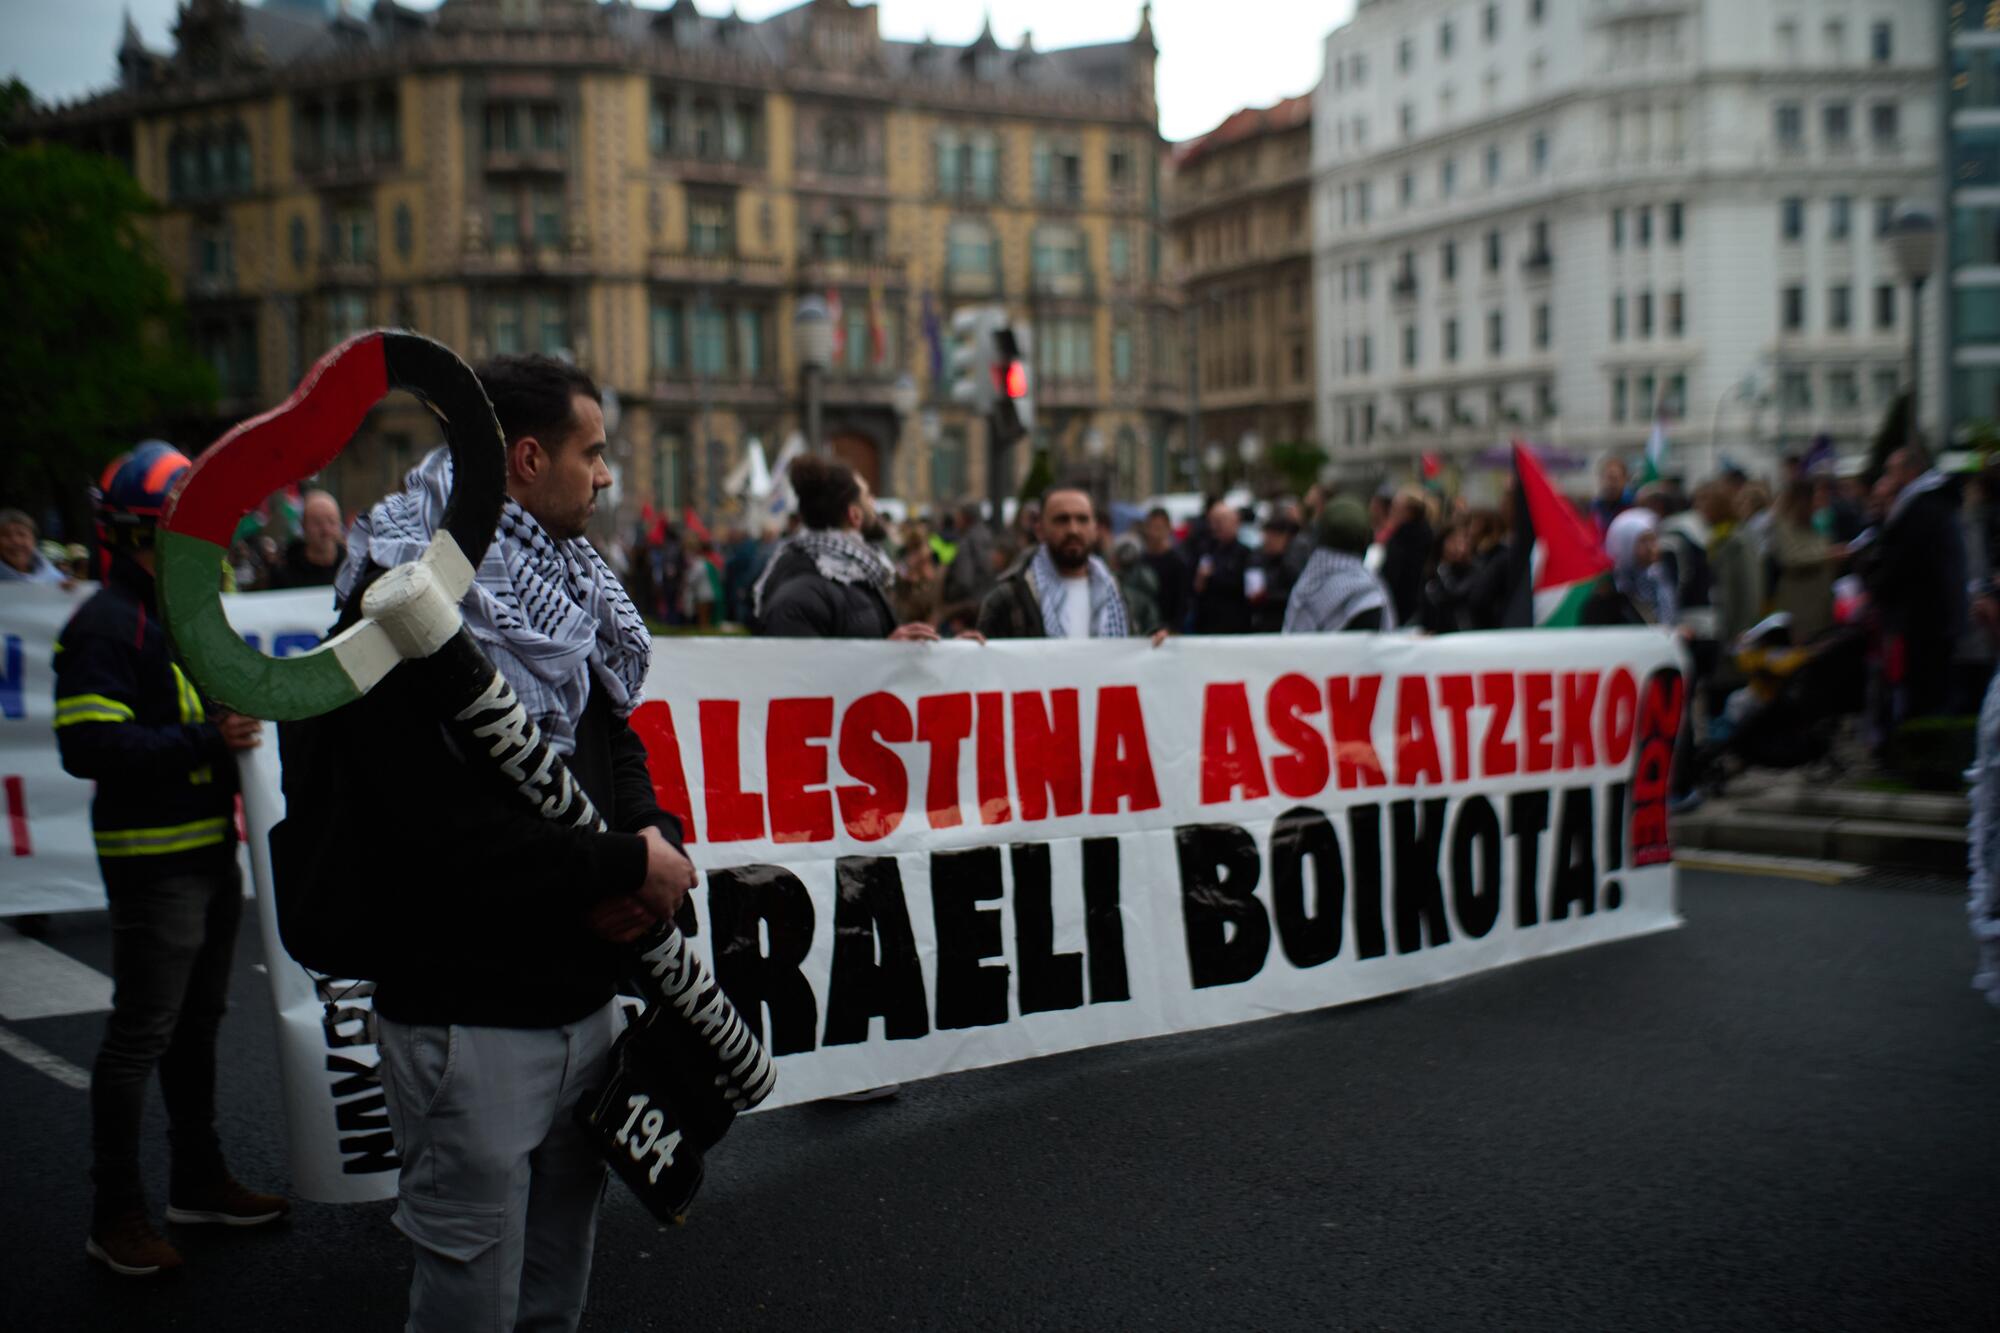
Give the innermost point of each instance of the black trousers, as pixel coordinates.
(172, 940)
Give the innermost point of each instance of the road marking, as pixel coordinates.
(1757, 863)
(47, 1062)
(39, 982)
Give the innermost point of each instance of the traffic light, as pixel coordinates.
(1013, 381)
(972, 356)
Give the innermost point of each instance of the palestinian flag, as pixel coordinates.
(1556, 557)
(1654, 466)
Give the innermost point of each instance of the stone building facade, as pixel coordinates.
(1240, 220)
(652, 192)
(1561, 219)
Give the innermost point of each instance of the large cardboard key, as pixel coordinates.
(690, 1064)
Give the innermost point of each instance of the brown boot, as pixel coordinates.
(224, 1201)
(124, 1241)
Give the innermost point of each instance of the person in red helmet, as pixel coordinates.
(128, 719)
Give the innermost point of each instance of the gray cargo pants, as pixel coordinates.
(499, 1188)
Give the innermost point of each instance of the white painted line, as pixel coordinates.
(39, 982)
(47, 1062)
(1759, 863)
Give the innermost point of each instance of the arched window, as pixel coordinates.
(1127, 461)
(242, 172)
(214, 162)
(970, 250)
(180, 167)
(707, 129)
(840, 146)
(834, 238)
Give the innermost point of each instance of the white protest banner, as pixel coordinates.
(45, 845)
(920, 861)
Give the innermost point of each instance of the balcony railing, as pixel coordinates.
(1071, 286)
(1404, 287)
(332, 171)
(347, 270)
(530, 161)
(817, 272)
(1537, 263)
(719, 269)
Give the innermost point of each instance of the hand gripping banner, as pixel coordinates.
(690, 1064)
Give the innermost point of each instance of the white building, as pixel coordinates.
(1551, 217)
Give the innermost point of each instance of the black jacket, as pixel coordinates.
(1917, 570)
(1012, 611)
(1281, 572)
(471, 905)
(1222, 606)
(802, 603)
(128, 719)
(1404, 557)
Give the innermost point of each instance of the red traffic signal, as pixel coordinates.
(1011, 379)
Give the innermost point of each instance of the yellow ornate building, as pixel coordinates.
(652, 192)
(1240, 215)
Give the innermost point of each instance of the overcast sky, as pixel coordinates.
(1215, 55)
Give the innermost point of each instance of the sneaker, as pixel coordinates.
(226, 1202)
(1686, 804)
(127, 1244)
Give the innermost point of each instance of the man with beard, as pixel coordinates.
(1058, 589)
(494, 935)
(830, 580)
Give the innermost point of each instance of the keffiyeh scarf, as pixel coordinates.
(839, 554)
(1052, 592)
(550, 613)
(1333, 588)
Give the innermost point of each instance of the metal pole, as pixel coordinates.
(1913, 435)
(1194, 441)
(814, 440)
(1715, 431)
(996, 491)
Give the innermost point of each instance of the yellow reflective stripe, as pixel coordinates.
(214, 824)
(91, 708)
(74, 718)
(190, 699)
(161, 848)
(160, 841)
(201, 776)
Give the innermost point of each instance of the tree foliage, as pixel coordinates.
(1297, 464)
(92, 352)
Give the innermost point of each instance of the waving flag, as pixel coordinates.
(1556, 557)
(1655, 465)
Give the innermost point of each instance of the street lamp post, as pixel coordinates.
(813, 328)
(1250, 448)
(903, 398)
(1913, 245)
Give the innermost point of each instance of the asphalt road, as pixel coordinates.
(1784, 1115)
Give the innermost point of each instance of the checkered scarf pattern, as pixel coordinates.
(840, 554)
(1107, 606)
(550, 613)
(1334, 588)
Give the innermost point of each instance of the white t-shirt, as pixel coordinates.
(1076, 607)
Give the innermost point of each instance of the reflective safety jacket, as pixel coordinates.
(128, 719)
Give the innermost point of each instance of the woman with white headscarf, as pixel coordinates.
(1632, 542)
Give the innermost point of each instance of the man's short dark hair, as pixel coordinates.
(535, 395)
(1080, 487)
(826, 488)
(1159, 511)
